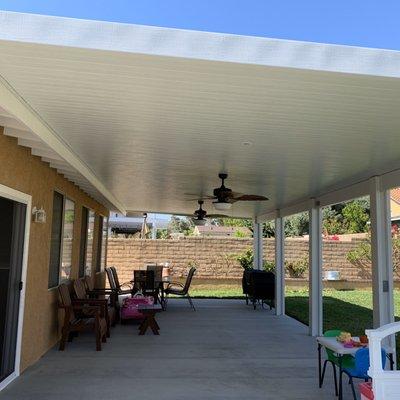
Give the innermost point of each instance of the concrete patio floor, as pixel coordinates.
(224, 350)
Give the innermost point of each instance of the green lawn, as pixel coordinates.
(350, 310)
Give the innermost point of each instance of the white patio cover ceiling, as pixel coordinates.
(138, 116)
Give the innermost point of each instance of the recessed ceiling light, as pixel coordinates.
(247, 143)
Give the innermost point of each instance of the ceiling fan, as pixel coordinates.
(199, 216)
(225, 197)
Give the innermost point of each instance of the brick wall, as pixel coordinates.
(215, 257)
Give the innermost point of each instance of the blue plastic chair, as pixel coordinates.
(361, 366)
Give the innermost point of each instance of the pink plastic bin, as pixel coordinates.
(366, 391)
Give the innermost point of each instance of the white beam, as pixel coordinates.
(347, 193)
(10, 122)
(63, 168)
(257, 246)
(34, 144)
(14, 104)
(46, 153)
(18, 133)
(296, 208)
(315, 270)
(279, 266)
(270, 216)
(381, 247)
(390, 180)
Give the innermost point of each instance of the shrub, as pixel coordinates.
(246, 259)
(269, 266)
(361, 256)
(297, 268)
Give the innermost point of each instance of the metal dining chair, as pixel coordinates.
(177, 289)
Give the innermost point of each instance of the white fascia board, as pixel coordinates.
(390, 180)
(157, 41)
(16, 106)
(302, 206)
(270, 216)
(347, 193)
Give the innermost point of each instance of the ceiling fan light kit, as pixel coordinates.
(199, 222)
(224, 197)
(222, 206)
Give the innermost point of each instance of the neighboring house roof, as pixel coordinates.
(214, 230)
(395, 195)
(395, 204)
(135, 223)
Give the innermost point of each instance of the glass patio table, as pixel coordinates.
(332, 344)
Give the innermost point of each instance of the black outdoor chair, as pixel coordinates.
(178, 289)
(118, 285)
(115, 292)
(259, 286)
(144, 281)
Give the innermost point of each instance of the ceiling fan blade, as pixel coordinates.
(217, 216)
(199, 197)
(250, 197)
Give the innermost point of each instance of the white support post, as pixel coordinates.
(154, 229)
(381, 248)
(279, 266)
(257, 246)
(315, 270)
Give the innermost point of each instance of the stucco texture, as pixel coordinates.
(29, 174)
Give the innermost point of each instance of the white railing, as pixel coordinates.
(386, 384)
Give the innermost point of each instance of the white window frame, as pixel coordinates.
(60, 280)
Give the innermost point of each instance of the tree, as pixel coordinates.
(348, 217)
(269, 229)
(332, 221)
(235, 222)
(181, 225)
(356, 215)
(297, 225)
(162, 234)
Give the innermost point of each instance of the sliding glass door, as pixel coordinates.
(12, 229)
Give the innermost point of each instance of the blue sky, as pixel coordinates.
(351, 22)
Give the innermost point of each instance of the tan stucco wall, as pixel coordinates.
(26, 173)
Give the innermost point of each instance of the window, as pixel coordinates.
(89, 241)
(101, 244)
(61, 239)
(86, 254)
(67, 239)
(83, 246)
(104, 245)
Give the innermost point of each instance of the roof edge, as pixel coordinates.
(199, 45)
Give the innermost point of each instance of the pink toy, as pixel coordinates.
(129, 309)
